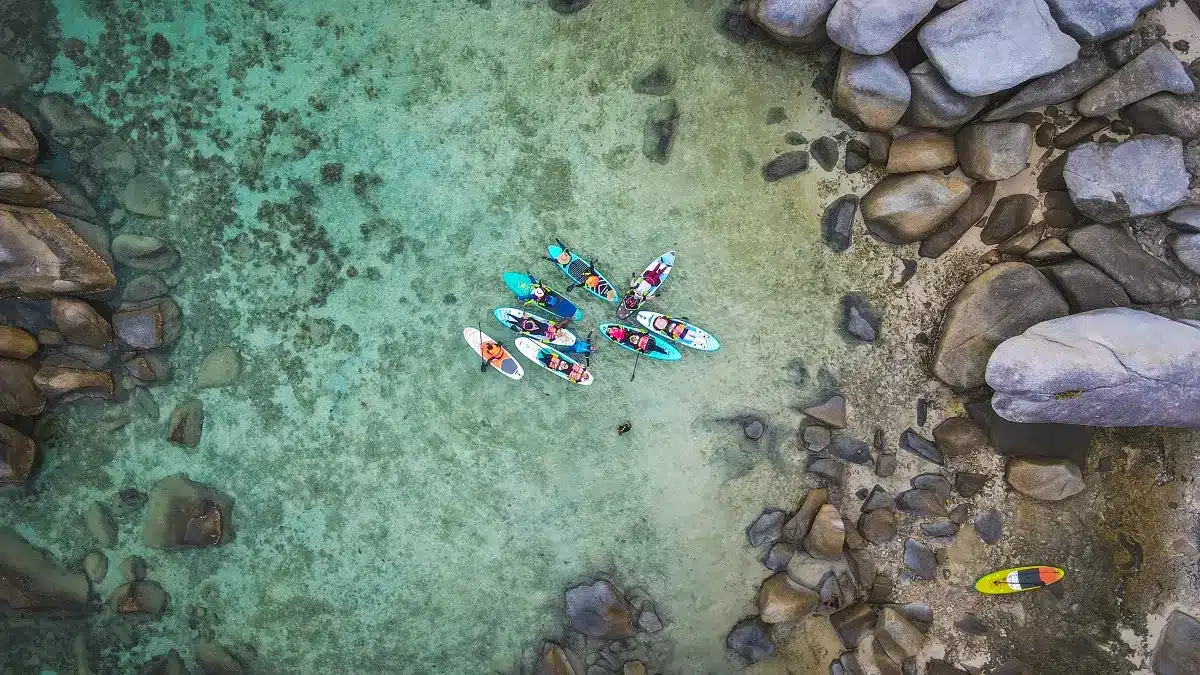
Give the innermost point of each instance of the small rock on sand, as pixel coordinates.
(220, 368)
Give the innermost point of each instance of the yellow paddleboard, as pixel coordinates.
(1017, 579)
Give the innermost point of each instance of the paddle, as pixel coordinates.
(482, 366)
(635, 362)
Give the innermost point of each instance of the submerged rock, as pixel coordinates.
(850, 449)
(990, 527)
(187, 423)
(1051, 249)
(16, 343)
(568, 6)
(780, 599)
(825, 151)
(1139, 177)
(1154, 70)
(214, 659)
(1057, 87)
(1143, 372)
(133, 568)
(934, 482)
(920, 446)
(18, 454)
(800, 23)
(1045, 478)
(181, 513)
(786, 164)
(556, 659)
(220, 368)
(1178, 648)
(1187, 250)
(99, 523)
(878, 526)
(44, 257)
(935, 104)
(35, 581)
(1145, 278)
(170, 664)
(79, 323)
(873, 27)
(831, 413)
(779, 555)
(64, 384)
(958, 224)
(95, 567)
(1085, 287)
(148, 254)
(872, 90)
(994, 150)
(148, 368)
(1000, 303)
(853, 623)
(139, 597)
(68, 122)
(898, 638)
(657, 82)
(1166, 114)
(920, 560)
(17, 141)
(750, 641)
(146, 195)
(837, 223)
(148, 325)
(985, 46)
(662, 119)
(906, 208)
(599, 610)
(19, 393)
(144, 287)
(26, 189)
(921, 502)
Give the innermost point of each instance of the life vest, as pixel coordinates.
(492, 351)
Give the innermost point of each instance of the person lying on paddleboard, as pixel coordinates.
(493, 352)
(639, 342)
(573, 371)
(675, 329)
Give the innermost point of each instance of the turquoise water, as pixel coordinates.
(396, 511)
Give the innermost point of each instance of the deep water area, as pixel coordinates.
(348, 181)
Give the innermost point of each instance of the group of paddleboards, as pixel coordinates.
(545, 339)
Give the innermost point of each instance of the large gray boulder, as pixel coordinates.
(1165, 113)
(1095, 20)
(872, 90)
(17, 141)
(994, 150)
(986, 46)
(1145, 278)
(1143, 176)
(905, 208)
(1187, 249)
(1178, 650)
(1110, 367)
(1085, 287)
(34, 582)
(43, 257)
(599, 610)
(1154, 70)
(999, 304)
(935, 104)
(1045, 478)
(872, 27)
(800, 23)
(1057, 87)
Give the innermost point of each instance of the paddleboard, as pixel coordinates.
(578, 270)
(677, 330)
(522, 286)
(650, 345)
(646, 285)
(534, 326)
(507, 364)
(554, 361)
(1017, 579)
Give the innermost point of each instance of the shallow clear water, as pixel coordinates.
(395, 510)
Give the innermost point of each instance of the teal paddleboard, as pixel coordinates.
(580, 271)
(640, 341)
(525, 287)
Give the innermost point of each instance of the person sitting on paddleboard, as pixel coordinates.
(638, 342)
(675, 329)
(492, 352)
(653, 276)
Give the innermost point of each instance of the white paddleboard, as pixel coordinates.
(694, 337)
(508, 366)
(511, 317)
(537, 351)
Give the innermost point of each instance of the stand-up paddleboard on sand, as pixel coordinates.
(646, 285)
(526, 288)
(580, 272)
(678, 330)
(506, 363)
(531, 325)
(1017, 579)
(640, 341)
(554, 361)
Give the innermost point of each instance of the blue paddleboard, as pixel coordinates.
(578, 270)
(640, 341)
(524, 285)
